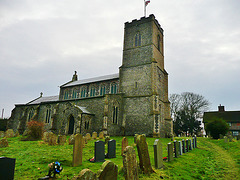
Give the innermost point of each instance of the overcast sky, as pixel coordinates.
(43, 42)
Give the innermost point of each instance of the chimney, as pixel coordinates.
(221, 108)
(75, 77)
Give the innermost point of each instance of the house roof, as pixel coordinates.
(229, 116)
(91, 80)
(43, 99)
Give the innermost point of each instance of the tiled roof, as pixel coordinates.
(44, 99)
(229, 116)
(91, 80)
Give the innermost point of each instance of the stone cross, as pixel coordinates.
(94, 135)
(77, 150)
(183, 146)
(144, 159)
(170, 152)
(124, 144)
(99, 151)
(130, 166)
(158, 159)
(111, 149)
(109, 170)
(180, 147)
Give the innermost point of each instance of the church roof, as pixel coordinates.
(44, 99)
(83, 109)
(91, 80)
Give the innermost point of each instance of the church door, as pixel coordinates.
(71, 125)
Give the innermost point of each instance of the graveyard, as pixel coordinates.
(208, 159)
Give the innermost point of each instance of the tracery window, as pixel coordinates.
(138, 39)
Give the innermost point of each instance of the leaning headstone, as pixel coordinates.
(170, 152)
(124, 144)
(108, 171)
(3, 143)
(180, 147)
(187, 145)
(61, 139)
(71, 139)
(88, 136)
(99, 151)
(2, 134)
(158, 159)
(53, 138)
(144, 159)
(101, 135)
(9, 133)
(86, 174)
(94, 135)
(77, 150)
(7, 166)
(107, 139)
(111, 149)
(183, 146)
(130, 166)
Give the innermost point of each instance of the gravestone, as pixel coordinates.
(2, 134)
(190, 144)
(195, 141)
(107, 139)
(144, 159)
(101, 135)
(77, 150)
(71, 139)
(111, 149)
(7, 166)
(61, 139)
(9, 133)
(83, 141)
(183, 146)
(53, 138)
(94, 135)
(99, 151)
(187, 145)
(170, 152)
(86, 174)
(130, 166)
(88, 136)
(3, 143)
(108, 171)
(135, 138)
(45, 137)
(180, 147)
(158, 159)
(124, 144)
(225, 139)
(176, 148)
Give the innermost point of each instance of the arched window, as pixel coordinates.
(83, 92)
(115, 114)
(102, 90)
(114, 88)
(30, 114)
(138, 39)
(92, 91)
(48, 116)
(159, 42)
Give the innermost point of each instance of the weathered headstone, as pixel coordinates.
(124, 144)
(170, 152)
(86, 174)
(99, 151)
(187, 145)
(2, 134)
(158, 159)
(130, 167)
(71, 139)
(180, 147)
(7, 166)
(94, 135)
(109, 170)
(101, 135)
(88, 136)
(77, 150)
(53, 138)
(61, 139)
(111, 149)
(144, 159)
(9, 133)
(183, 146)
(3, 143)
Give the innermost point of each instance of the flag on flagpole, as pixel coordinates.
(147, 2)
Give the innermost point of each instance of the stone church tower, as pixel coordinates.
(143, 79)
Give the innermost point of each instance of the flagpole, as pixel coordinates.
(144, 8)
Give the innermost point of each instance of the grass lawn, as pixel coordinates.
(213, 159)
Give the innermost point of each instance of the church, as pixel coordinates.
(133, 101)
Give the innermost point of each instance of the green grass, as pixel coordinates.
(213, 159)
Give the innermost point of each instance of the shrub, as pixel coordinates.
(35, 130)
(217, 127)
